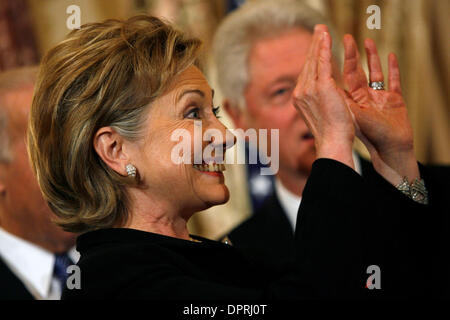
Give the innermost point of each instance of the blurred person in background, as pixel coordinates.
(34, 252)
(259, 51)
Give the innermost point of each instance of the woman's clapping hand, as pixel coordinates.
(378, 117)
(381, 117)
(322, 104)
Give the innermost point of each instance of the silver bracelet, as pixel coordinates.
(415, 191)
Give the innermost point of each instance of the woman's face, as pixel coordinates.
(185, 105)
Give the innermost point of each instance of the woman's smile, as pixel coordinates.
(211, 169)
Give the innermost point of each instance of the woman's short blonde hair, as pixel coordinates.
(104, 74)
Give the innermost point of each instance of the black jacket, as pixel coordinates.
(11, 288)
(329, 253)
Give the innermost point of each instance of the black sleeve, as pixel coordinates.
(328, 232)
(407, 240)
(437, 181)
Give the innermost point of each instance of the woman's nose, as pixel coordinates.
(230, 138)
(227, 139)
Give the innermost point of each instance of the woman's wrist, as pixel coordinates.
(338, 151)
(402, 162)
(389, 174)
(406, 177)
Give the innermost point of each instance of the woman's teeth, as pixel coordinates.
(210, 167)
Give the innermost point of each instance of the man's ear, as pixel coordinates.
(236, 114)
(109, 145)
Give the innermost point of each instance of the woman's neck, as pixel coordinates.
(158, 217)
(176, 229)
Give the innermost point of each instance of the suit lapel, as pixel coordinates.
(12, 287)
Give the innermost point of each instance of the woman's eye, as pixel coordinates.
(193, 114)
(216, 111)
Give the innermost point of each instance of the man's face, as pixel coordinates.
(274, 66)
(25, 212)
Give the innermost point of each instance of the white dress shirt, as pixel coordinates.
(290, 202)
(33, 265)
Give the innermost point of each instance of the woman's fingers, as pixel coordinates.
(324, 67)
(354, 75)
(309, 71)
(373, 61)
(318, 35)
(311, 64)
(394, 74)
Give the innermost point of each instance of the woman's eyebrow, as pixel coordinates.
(197, 91)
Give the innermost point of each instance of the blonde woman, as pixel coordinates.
(107, 102)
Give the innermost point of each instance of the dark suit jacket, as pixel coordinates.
(267, 237)
(11, 288)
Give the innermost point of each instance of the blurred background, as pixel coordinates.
(416, 30)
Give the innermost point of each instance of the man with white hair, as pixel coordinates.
(259, 52)
(34, 252)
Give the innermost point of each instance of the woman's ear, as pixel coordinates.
(109, 145)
